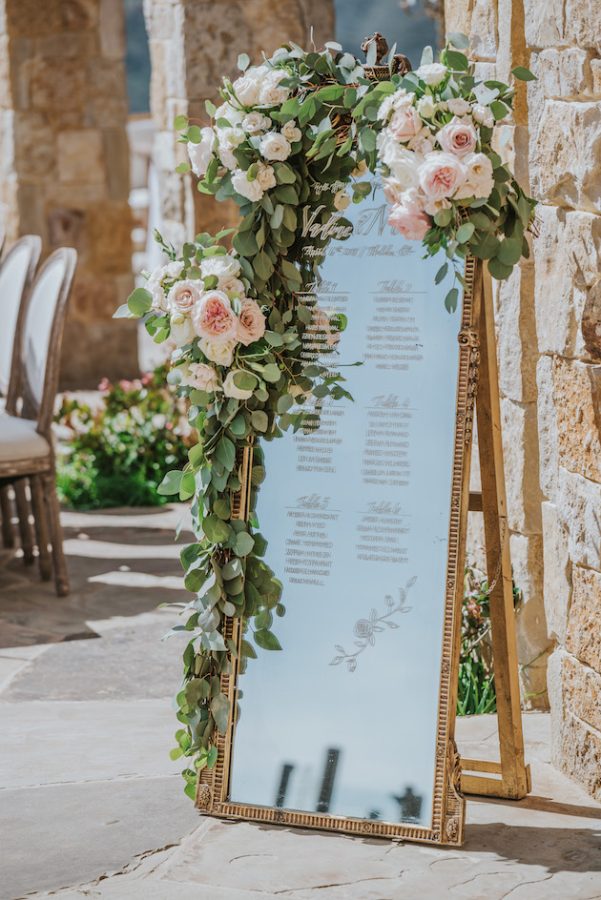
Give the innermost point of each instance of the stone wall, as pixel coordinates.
(64, 163)
(549, 336)
(193, 44)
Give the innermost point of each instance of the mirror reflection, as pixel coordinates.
(356, 514)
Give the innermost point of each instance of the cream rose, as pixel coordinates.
(483, 115)
(247, 87)
(398, 100)
(458, 106)
(214, 318)
(201, 377)
(432, 74)
(440, 175)
(220, 352)
(201, 154)
(274, 146)
(479, 180)
(183, 295)
(458, 137)
(291, 132)
(426, 106)
(405, 124)
(251, 322)
(408, 217)
(403, 164)
(256, 123)
(233, 287)
(181, 330)
(154, 284)
(252, 190)
(265, 176)
(271, 93)
(231, 389)
(341, 200)
(222, 265)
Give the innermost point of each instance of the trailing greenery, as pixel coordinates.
(290, 145)
(119, 443)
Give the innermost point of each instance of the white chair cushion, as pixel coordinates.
(19, 439)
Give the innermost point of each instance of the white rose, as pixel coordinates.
(432, 74)
(183, 295)
(265, 176)
(247, 87)
(291, 132)
(458, 106)
(228, 140)
(271, 93)
(434, 206)
(256, 123)
(227, 111)
(252, 190)
(230, 388)
(483, 115)
(201, 154)
(479, 180)
(233, 287)
(403, 164)
(394, 101)
(201, 377)
(218, 352)
(274, 146)
(426, 106)
(154, 283)
(226, 264)
(182, 330)
(341, 200)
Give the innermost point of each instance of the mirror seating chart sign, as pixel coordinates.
(351, 728)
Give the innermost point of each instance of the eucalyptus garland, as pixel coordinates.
(291, 144)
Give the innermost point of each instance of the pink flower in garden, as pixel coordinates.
(251, 323)
(458, 137)
(405, 124)
(213, 317)
(440, 175)
(408, 218)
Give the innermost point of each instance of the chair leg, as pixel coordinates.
(61, 576)
(8, 535)
(40, 521)
(24, 524)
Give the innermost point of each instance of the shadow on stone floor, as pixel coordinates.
(121, 563)
(554, 849)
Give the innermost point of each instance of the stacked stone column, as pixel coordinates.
(193, 44)
(549, 335)
(64, 168)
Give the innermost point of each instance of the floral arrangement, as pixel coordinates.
(291, 143)
(113, 449)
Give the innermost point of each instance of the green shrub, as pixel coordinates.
(476, 679)
(116, 447)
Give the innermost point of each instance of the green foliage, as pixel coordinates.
(119, 446)
(476, 679)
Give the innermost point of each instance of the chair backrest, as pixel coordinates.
(41, 333)
(16, 274)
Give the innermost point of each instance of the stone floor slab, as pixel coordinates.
(62, 835)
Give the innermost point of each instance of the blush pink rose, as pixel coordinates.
(408, 218)
(251, 323)
(440, 175)
(213, 317)
(183, 295)
(458, 137)
(405, 124)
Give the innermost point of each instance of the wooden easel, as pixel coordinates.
(509, 778)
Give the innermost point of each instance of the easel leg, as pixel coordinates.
(514, 782)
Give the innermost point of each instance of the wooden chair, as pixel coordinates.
(17, 269)
(26, 450)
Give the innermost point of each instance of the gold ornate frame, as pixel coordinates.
(448, 805)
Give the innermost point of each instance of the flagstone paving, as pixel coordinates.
(91, 806)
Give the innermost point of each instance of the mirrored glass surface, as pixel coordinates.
(343, 721)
